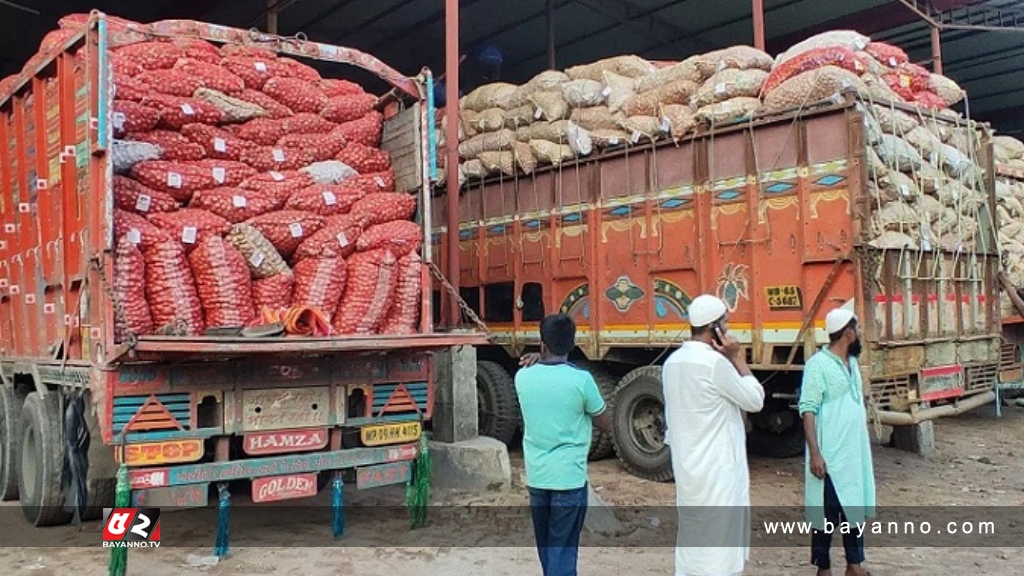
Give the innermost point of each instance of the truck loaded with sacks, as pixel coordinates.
(213, 270)
(835, 175)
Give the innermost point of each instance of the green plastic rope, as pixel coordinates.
(122, 499)
(417, 491)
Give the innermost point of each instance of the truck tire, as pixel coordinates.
(602, 443)
(10, 414)
(639, 425)
(496, 402)
(101, 495)
(41, 453)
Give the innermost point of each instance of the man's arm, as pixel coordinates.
(595, 406)
(741, 389)
(818, 467)
(811, 394)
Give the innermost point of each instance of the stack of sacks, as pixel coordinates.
(925, 183)
(1010, 215)
(625, 100)
(1009, 153)
(246, 184)
(828, 63)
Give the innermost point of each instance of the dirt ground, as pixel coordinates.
(979, 462)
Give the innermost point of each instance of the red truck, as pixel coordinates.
(775, 216)
(184, 413)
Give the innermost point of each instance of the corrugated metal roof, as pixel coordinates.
(410, 34)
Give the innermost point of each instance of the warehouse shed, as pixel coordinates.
(979, 43)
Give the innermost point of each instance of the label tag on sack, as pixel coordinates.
(174, 180)
(143, 202)
(187, 109)
(666, 126)
(188, 234)
(329, 198)
(239, 201)
(538, 114)
(134, 236)
(278, 155)
(613, 141)
(342, 239)
(261, 66)
(277, 176)
(220, 145)
(256, 259)
(607, 91)
(380, 182)
(720, 89)
(296, 230)
(220, 174)
(892, 61)
(119, 119)
(636, 137)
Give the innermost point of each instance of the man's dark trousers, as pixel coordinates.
(821, 541)
(557, 522)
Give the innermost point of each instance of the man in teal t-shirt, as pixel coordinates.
(559, 403)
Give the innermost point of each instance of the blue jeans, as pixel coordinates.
(821, 541)
(557, 522)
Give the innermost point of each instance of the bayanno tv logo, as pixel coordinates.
(131, 527)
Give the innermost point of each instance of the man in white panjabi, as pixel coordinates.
(707, 387)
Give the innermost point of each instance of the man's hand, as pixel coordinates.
(730, 348)
(818, 467)
(529, 359)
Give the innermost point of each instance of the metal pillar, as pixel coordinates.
(271, 16)
(759, 24)
(936, 50)
(551, 34)
(451, 85)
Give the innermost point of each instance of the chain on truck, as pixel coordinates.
(779, 215)
(186, 414)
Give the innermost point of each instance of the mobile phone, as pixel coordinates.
(716, 333)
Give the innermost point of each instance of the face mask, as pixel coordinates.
(855, 348)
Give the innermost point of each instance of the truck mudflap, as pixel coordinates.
(375, 466)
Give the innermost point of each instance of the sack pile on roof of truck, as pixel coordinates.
(626, 100)
(926, 181)
(249, 190)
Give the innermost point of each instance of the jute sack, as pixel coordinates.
(629, 66)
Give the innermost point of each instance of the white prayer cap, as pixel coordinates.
(837, 319)
(705, 309)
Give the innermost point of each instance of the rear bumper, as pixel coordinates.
(281, 465)
(959, 407)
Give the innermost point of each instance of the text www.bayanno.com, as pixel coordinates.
(882, 528)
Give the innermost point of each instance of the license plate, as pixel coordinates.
(379, 434)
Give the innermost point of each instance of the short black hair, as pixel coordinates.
(558, 332)
(835, 336)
